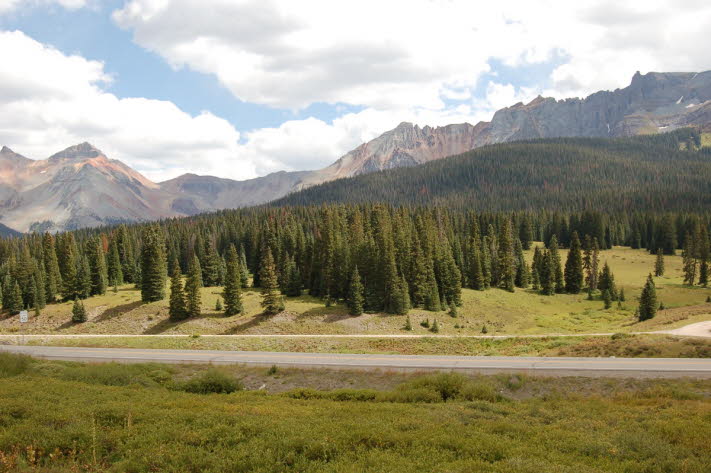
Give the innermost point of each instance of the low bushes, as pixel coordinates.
(212, 381)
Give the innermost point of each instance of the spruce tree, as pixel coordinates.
(83, 279)
(548, 281)
(113, 263)
(293, 279)
(97, 266)
(607, 281)
(607, 298)
(153, 265)
(355, 294)
(648, 300)
(78, 311)
(218, 305)
(554, 256)
(176, 303)
(659, 264)
(507, 262)
(193, 283)
(574, 267)
(14, 299)
(68, 266)
(53, 277)
(232, 292)
(523, 276)
(271, 298)
(689, 261)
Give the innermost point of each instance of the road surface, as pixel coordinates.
(623, 367)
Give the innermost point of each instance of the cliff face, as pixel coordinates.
(651, 103)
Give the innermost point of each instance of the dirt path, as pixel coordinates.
(699, 329)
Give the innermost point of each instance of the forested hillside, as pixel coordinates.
(657, 173)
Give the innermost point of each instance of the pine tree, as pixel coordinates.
(14, 299)
(607, 281)
(554, 256)
(244, 271)
(355, 294)
(232, 292)
(271, 298)
(193, 283)
(408, 324)
(523, 276)
(506, 264)
(659, 264)
(97, 266)
(176, 303)
(153, 265)
(703, 249)
(83, 279)
(548, 275)
(536, 283)
(648, 300)
(574, 267)
(68, 266)
(689, 261)
(53, 278)
(218, 305)
(435, 327)
(113, 263)
(607, 298)
(476, 276)
(293, 279)
(210, 264)
(78, 311)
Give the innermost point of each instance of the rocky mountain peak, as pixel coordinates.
(81, 151)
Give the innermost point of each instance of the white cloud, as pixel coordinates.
(403, 53)
(51, 101)
(10, 5)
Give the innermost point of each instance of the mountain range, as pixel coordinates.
(81, 187)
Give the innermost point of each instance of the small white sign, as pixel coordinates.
(23, 317)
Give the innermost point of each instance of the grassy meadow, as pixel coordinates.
(135, 418)
(501, 312)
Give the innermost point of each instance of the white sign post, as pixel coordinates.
(24, 318)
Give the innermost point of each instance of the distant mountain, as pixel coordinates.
(81, 187)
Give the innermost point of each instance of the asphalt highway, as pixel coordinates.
(593, 367)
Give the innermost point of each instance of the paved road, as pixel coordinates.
(631, 367)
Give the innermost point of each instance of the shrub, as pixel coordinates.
(212, 381)
(479, 392)
(13, 365)
(447, 385)
(116, 374)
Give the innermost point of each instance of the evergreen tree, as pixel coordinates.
(703, 248)
(113, 263)
(408, 324)
(193, 283)
(607, 281)
(232, 292)
(97, 266)
(153, 265)
(244, 271)
(607, 298)
(14, 299)
(689, 261)
(536, 283)
(523, 276)
(176, 303)
(83, 279)
(293, 279)
(210, 264)
(548, 275)
(271, 298)
(574, 267)
(53, 277)
(648, 300)
(659, 264)
(355, 294)
(78, 311)
(68, 267)
(554, 256)
(218, 305)
(506, 264)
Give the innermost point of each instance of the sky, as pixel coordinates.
(243, 88)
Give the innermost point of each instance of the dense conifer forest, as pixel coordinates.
(375, 257)
(656, 173)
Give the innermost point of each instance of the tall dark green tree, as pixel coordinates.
(193, 284)
(574, 267)
(153, 265)
(232, 292)
(53, 277)
(176, 302)
(78, 311)
(607, 281)
(648, 300)
(97, 266)
(507, 262)
(659, 264)
(271, 297)
(554, 256)
(355, 294)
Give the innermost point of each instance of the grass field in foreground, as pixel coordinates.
(521, 312)
(134, 418)
(620, 345)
